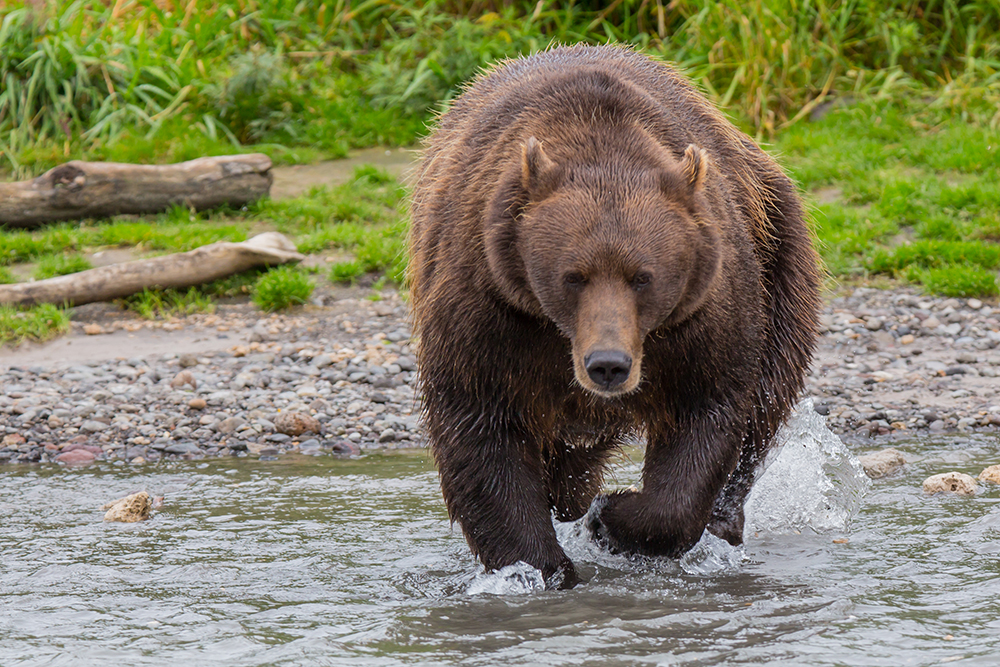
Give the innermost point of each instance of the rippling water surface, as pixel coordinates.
(318, 561)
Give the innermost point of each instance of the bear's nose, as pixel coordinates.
(608, 368)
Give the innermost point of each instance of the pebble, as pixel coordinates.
(184, 378)
(197, 404)
(187, 360)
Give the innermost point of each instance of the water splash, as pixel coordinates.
(517, 579)
(810, 481)
(712, 555)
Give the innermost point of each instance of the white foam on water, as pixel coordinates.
(810, 481)
(517, 579)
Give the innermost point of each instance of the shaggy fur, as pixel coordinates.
(582, 205)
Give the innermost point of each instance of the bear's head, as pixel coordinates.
(609, 249)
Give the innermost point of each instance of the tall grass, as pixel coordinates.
(777, 59)
(772, 61)
(84, 72)
(85, 77)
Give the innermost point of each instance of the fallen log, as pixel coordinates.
(179, 270)
(78, 190)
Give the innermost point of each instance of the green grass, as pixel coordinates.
(918, 194)
(959, 280)
(38, 323)
(153, 304)
(281, 288)
(156, 233)
(53, 265)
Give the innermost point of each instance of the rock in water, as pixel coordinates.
(129, 509)
(880, 464)
(991, 474)
(295, 423)
(810, 481)
(950, 482)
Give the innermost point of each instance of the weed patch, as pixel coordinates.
(152, 304)
(37, 323)
(282, 288)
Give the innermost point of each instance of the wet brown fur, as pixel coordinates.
(583, 198)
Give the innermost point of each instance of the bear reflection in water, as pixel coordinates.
(597, 254)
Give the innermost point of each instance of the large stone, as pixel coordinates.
(950, 482)
(76, 457)
(991, 474)
(183, 448)
(295, 423)
(129, 509)
(883, 463)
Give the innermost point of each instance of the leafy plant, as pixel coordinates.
(281, 288)
(345, 272)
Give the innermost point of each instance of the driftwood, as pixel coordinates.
(77, 190)
(183, 269)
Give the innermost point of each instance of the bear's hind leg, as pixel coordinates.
(727, 514)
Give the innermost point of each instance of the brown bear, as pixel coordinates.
(597, 254)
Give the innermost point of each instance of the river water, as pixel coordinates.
(323, 561)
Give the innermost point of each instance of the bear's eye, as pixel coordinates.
(574, 279)
(641, 280)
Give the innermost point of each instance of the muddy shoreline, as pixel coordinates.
(890, 364)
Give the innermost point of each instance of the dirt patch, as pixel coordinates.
(296, 180)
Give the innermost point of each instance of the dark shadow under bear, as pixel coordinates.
(596, 253)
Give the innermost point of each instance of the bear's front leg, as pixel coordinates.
(494, 485)
(684, 470)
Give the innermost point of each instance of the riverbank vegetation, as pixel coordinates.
(887, 112)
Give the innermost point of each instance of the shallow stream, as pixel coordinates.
(320, 561)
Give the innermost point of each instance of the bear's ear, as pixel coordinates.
(694, 166)
(539, 174)
(686, 179)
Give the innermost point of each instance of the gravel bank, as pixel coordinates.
(889, 364)
(899, 363)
